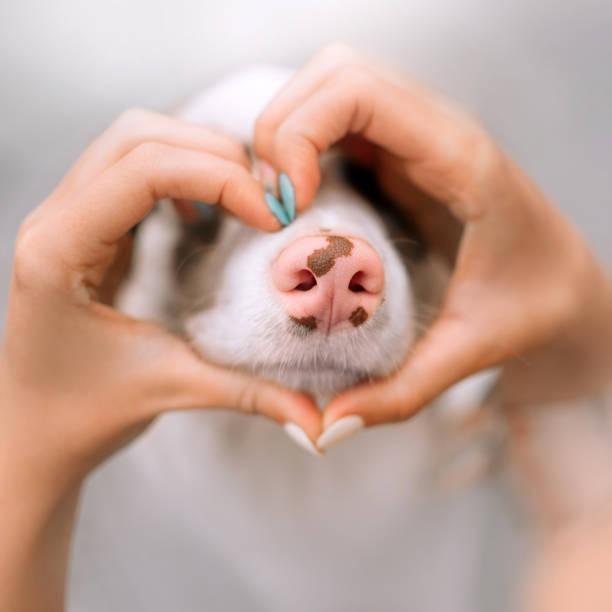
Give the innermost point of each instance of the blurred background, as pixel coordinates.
(538, 75)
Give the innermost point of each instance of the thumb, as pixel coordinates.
(446, 354)
(187, 381)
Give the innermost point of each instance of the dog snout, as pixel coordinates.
(329, 282)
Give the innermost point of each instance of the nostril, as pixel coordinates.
(305, 281)
(356, 283)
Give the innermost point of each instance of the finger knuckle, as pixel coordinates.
(131, 128)
(146, 155)
(477, 149)
(235, 184)
(234, 175)
(481, 161)
(467, 158)
(31, 258)
(29, 223)
(228, 146)
(356, 79)
(144, 167)
(405, 402)
(401, 410)
(247, 399)
(132, 118)
(295, 134)
(239, 174)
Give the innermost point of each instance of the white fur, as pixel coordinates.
(248, 327)
(148, 294)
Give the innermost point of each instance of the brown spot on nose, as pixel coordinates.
(321, 261)
(309, 323)
(358, 316)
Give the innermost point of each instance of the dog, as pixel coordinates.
(240, 516)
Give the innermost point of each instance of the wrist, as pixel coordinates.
(33, 459)
(36, 535)
(38, 505)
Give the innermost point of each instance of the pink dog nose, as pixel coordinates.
(329, 282)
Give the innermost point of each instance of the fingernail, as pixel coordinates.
(287, 193)
(277, 209)
(340, 430)
(267, 175)
(298, 435)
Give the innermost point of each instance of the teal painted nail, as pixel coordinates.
(287, 193)
(277, 209)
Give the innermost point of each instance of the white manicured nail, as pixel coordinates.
(340, 430)
(298, 435)
(267, 175)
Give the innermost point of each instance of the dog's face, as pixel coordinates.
(262, 302)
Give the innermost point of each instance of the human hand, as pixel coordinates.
(79, 379)
(523, 277)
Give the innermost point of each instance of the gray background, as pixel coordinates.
(537, 73)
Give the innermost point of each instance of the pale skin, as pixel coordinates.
(78, 380)
(524, 281)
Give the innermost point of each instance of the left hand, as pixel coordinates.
(524, 281)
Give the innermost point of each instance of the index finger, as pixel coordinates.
(83, 227)
(138, 126)
(443, 150)
(299, 87)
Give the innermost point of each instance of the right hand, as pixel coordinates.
(523, 276)
(78, 379)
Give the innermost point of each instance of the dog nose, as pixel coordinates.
(329, 282)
